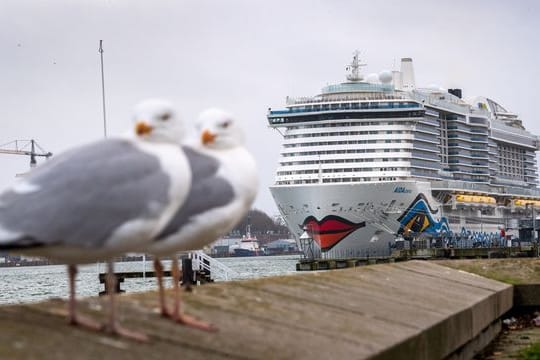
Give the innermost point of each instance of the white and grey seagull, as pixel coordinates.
(100, 200)
(224, 184)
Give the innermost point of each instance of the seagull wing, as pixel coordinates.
(208, 191)
(82, 197)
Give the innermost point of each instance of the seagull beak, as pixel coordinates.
(142, 128)
(207, 137)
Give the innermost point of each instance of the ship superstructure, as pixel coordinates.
(375, 158)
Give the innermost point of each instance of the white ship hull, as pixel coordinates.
(364, 163)
(347, 220)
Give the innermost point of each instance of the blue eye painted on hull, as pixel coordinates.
(419, 218)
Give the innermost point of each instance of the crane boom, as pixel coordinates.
(25, 147)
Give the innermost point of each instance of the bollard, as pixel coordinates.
(117, 290)
(187, 274)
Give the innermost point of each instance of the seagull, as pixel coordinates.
(100, 200)
(223, 186)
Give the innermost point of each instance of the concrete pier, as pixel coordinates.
(419, 254)
(404, 310)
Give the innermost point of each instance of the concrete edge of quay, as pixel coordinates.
(460, 336)
(412, 310)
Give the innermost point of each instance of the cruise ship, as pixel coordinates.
(376, 159)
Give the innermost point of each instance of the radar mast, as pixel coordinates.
(354, 68)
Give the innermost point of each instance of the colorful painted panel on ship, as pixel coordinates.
(330, 230)
(419, 218)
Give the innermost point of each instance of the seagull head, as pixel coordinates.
(219, 130)
(155, 120)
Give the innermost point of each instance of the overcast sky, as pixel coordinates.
(244, 56)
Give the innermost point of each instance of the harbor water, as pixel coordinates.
(36, 283)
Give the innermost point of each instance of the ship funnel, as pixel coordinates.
(407, 74)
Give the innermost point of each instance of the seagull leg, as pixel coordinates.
(178, 314)
(113, 326)
(158, 266)
(175, 270)
(73, 318)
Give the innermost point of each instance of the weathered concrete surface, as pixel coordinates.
(523, 273)
(390, 311)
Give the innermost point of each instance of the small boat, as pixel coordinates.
(248, 246)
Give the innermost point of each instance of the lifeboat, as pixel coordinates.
(525, 202)
(476, 199)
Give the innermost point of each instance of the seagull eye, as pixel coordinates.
(165, 117)
(225, 124)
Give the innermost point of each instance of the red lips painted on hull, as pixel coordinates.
(330, 230)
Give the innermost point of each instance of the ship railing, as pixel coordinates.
(310, 100)
(442, 101)
(490, 242)
(521, 139)
(201, 261)
(351, 253)
(461, 185)
(501, 125)
(346, 107)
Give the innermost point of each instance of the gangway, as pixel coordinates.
(204, 263)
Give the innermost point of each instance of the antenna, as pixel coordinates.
(354, 68)
(103, 89)
(248, 227)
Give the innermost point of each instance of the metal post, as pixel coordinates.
(187, 273)
(481, 222)
(534, 238)
(533, 224)
(144, 266)
(32, 153)
(103, 89)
